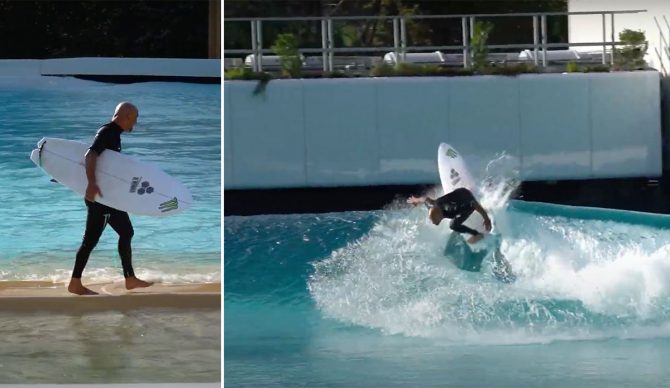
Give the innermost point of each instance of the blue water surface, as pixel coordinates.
(369, 299)
(42, 222)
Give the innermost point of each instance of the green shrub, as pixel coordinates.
(416, 70)
(455, 72)
(572, 67)
(512, 70)
(596, 69)
(286, 47)
(631, 56)
(408, 70)
(240, 73)
(479, 45)
(382, 70)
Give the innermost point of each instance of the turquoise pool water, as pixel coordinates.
(42, 222)
(368, 299)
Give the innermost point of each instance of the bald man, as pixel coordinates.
(99, 215)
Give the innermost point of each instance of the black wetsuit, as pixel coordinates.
(459, 205)
(99, 215)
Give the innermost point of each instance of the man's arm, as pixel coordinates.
(92, 188)
(429, 202)
(480, 210)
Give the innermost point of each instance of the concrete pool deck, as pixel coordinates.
(44, 296)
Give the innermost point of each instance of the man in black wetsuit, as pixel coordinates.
(458, 205)
(99, 215)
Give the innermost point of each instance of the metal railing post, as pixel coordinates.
(667, 50)
(403, 39)
(324, 45)
(613, 39)
(472, 27)
(259, 44)
(604, 38)
(664, 52)
(396, 38)
(466, 42)
(254, 47)
(330, 44)
(660, 58)
(544, 40)
(472, 33)
(536, 39)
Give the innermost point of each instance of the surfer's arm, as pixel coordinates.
(485, 216)
(91, 161)
(429, 202)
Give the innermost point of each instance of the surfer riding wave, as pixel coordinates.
(457, 205)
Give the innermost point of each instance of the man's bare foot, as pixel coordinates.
(133, 282)
(475, 238)
(77, 288)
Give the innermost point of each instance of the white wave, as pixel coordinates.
(111, 274)
(577, 279)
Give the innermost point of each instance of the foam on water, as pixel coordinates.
(578, 278)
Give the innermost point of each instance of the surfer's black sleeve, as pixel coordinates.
(101, 142)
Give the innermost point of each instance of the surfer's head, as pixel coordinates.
(125, 116)
(435, 214)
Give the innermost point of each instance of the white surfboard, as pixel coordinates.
(126, 183)
(453, 175)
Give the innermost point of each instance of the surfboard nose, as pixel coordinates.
(35, 155)
(41, 142)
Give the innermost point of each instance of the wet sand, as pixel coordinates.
(37, 296)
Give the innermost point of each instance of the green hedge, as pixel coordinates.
(414, 70)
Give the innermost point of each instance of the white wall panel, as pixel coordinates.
(412, 120)
(626, 124)
(341, 132)
(555, 126)
(268, 143)
(484, 119)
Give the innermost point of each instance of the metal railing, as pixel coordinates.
(400, 47)
(663, 52)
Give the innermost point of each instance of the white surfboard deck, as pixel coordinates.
(453, 175)
(126, 183)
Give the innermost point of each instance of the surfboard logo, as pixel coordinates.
(452, 153)
(455, 177)
(170, 205)
(144, 187)
(134, 183)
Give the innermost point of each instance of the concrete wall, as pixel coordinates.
(665, 121)
(337, 132)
